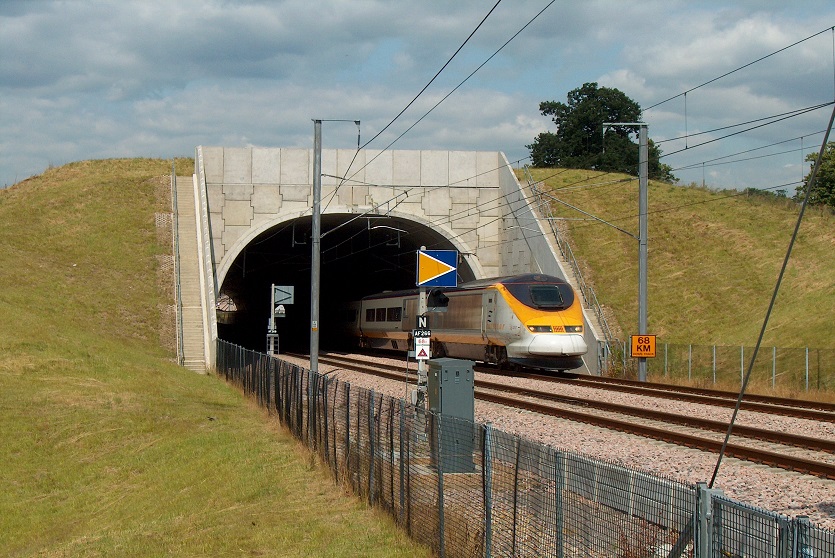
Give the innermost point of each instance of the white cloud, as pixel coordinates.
(153, 78)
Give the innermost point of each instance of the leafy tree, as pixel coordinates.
(580, 142)
(823, 191)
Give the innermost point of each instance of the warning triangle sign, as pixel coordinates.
(431, 268)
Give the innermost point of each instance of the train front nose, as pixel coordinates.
(557, 344)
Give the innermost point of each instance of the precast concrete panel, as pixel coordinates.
(464, 216)
(295, 207)
(232, 233)
(406, 168)
(266, 198)
(214, 197)
(434, 168)
(463, 168)
(488, 202)
(488, 254)
(360, 195)
(487, 169)
(295, 193)
(466, 196)
(379, 167)
(295, 166)
(436, 202)
(350, 165)
(266, 165)
(237, 192)
(213, 164)
(237, 213)
(237, 165)
(329, 166)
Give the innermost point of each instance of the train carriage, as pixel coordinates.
(530, 320)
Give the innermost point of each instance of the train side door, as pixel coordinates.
(488, 313)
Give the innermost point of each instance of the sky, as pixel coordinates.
(146, 78)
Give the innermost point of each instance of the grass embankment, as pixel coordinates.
(714, 259)
(108, 448)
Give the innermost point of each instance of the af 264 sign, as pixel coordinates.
(643, 346)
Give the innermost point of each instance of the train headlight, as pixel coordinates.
(540, 329)
(574, 329)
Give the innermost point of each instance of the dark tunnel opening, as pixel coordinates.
(359, 256)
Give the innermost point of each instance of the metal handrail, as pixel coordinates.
(178, 289)
(586, 290)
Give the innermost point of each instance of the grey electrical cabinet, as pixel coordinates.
(452, 403)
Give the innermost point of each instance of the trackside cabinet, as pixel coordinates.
(452, 403)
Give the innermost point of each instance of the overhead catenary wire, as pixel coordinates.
(809, 188)
(726, 74)
(530, 21)
(425, 87)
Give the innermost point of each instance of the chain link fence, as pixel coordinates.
(467, 490)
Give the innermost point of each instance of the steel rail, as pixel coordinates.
(806, 442)
(759, 403)
(792, 463)
(783, 461)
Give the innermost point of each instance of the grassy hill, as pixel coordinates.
(714, 259)
(108, 448)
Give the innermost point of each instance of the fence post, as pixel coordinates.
(372, 438)
(624, 359)
(487, 488)
(402, 457)
(665, 359)
(516, 489)
(559, 485)
(689, 362)
(437, 420)
(773, 367)
(807, 368)
(705, 522)
(741, 364)
(714, 364)
(801, 538)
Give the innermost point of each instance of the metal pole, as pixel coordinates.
(316, 237)
(643, 203)
(422, 373)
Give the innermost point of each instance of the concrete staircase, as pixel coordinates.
(191, 311)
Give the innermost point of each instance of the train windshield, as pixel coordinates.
(543, 297)
(546, 296)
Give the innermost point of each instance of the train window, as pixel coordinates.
(546, 297)
(369, 314)
(381, 314)
(393, 314)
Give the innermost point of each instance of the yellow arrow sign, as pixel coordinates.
(430, 268)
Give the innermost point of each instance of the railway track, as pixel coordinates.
(668, 427)
(811, 410)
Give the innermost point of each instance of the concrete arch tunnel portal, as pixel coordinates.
(360, 255)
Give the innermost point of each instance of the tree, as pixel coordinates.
(580, 143)
(823, 191)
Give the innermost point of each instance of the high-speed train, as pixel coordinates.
(531, 320)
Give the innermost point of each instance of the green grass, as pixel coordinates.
(714, 259)
(108, 448)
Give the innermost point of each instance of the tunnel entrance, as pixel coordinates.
(359, 256)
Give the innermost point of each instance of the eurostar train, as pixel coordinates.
(532, 321)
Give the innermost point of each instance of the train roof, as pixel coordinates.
(478, 284)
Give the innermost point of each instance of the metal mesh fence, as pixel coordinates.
(467, 490)
(794, 369)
